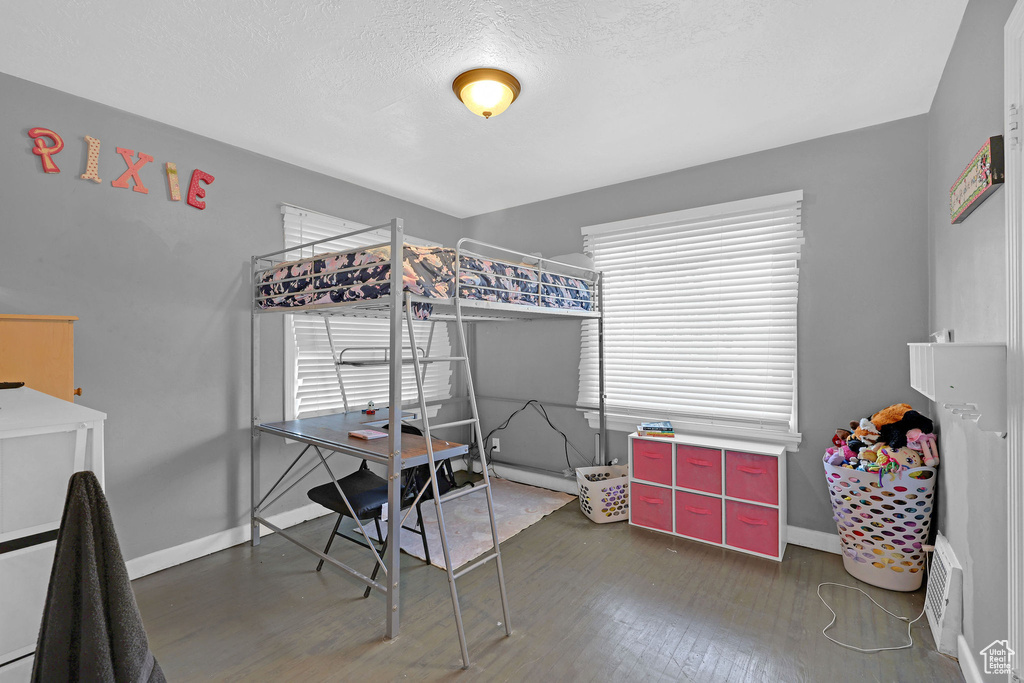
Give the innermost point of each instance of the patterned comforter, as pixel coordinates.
(336, 278)
(496, 281)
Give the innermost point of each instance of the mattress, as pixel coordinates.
(488, 280)
(344, 277)
(362, 275)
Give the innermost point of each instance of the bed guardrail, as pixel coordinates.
(521, 259)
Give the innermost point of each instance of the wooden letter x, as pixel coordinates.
(133, 170)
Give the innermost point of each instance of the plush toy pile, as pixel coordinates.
(895, 439)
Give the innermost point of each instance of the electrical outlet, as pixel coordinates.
(495, 445)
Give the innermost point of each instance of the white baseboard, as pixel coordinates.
(191, 550)
(968, 665)
(200, 547)
(534, 477)
(809, 538)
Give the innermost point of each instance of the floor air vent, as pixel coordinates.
(944, 597)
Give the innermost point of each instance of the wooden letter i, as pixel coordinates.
(172, 182)
(92, 166)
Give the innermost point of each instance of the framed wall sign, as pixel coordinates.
(983, 176)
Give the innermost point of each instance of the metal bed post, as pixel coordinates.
(602, 416)
(254, 401)
(393, 557)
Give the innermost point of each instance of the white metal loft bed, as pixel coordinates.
(488, 283)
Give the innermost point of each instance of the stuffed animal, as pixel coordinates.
(848, 453)
(908, 458)
(840, 437)
(864, 431)
(925, 445)
(834, 457)
(870, 454)
(929, 450)
(893, 413)
(895, 433)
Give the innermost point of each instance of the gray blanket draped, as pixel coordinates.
(92, 629)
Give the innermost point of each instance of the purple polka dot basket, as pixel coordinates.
(883, 522)
(604, 492)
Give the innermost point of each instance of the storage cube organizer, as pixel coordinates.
(727, 492)
(883, 525)
(604, 492)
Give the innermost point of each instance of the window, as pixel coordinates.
(310, 377)
(700, 317)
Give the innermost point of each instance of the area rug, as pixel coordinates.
(516, 506)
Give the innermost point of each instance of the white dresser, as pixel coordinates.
(43, 441)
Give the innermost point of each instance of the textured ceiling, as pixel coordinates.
(612, 89)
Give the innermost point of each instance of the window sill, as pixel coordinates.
(627, 423)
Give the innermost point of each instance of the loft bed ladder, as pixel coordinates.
(420, 358)
(485, 487)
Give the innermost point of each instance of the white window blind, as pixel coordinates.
(700, 314)
(311, 380)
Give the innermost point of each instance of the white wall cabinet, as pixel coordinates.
(966, 378)
(43, 441)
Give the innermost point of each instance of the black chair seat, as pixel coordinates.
(366, 492)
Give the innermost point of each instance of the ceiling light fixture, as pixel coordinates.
(486, 92)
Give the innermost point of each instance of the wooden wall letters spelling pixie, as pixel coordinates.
(48, 143)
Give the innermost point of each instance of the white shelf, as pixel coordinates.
(967, 379)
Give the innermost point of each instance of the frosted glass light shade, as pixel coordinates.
(486, 92)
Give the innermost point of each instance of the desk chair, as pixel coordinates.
(367, 493)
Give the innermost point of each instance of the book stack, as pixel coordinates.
(367, 434)
(655, 429)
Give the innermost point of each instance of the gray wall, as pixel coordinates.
(968, 295)
(162, 344)
(863, 288)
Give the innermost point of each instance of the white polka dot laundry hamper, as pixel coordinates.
(883, 523)
(604, 492)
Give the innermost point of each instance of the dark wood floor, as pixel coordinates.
(589, 602)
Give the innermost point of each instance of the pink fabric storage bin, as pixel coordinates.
(752, 527)
(699, 516)
(650, 506)
(752, 477)
(652, 461)
(699, 468)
